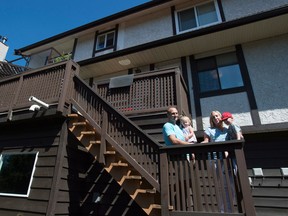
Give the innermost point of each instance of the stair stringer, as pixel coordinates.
(139, 188)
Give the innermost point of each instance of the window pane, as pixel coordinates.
(110, 39)
(100, 42)
(226, 59)
(206, 64)
(186, 19)
(206, 14)
(15, 173)
(208, 81)
(230, 76)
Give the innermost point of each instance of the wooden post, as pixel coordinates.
(67, 82)
(164, 184)
(248, 203)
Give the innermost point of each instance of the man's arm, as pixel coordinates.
(177, 141)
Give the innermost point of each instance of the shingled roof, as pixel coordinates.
(7, 69)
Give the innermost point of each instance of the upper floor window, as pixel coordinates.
(105, 40)
(16, 172)
(196, 17)
(219, 72)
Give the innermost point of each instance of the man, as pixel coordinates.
(172, 133)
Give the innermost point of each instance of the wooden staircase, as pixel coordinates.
(139, 189)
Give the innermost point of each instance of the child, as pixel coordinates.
(185, 125)
(187, 129)
(234, 130)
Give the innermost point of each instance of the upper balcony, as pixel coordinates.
(146, 93)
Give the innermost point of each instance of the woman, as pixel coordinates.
(216, 132)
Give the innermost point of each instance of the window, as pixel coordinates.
(105, 41)
(219, 72)
(16, 172)
(198, 16)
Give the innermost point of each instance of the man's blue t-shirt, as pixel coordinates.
(169, 129)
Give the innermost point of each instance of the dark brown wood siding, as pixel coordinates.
(268, 151)
(33, 136)
(152, 124)
(81, 179)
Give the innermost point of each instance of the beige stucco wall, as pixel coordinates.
(145, 29)
(84, 48)
(237, 104)
(267, 62)
(234, 9)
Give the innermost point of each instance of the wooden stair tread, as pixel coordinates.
(129, 177)
(110, 152)
(73, 115)
(152, 191)
(79, 123)
(92, 142)
(133, 177)
(120, 164)
(155, 206)
(87, 132)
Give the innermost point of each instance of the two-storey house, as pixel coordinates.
(199, 55)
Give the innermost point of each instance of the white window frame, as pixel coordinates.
(105, 43)
(196, 17)
(31, 177)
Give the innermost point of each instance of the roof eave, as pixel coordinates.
(188, 35)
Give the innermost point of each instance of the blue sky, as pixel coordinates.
(27, 22)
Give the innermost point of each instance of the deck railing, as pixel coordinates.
(202, 185)
(149, 92)
(49, 84)
(191, 180)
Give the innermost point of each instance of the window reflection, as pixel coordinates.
(230, 76)
(106, 40)
(208, 81)
(16, 172)
(219, 72)
(206, 14)
(198, 16)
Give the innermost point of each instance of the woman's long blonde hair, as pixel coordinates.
(212, 124)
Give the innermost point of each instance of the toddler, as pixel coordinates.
(187, 129)
(234, 133)
(234, 130)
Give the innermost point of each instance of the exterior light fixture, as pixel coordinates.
(38, 104)
(125, 62)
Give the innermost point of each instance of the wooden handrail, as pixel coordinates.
(137, 147)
